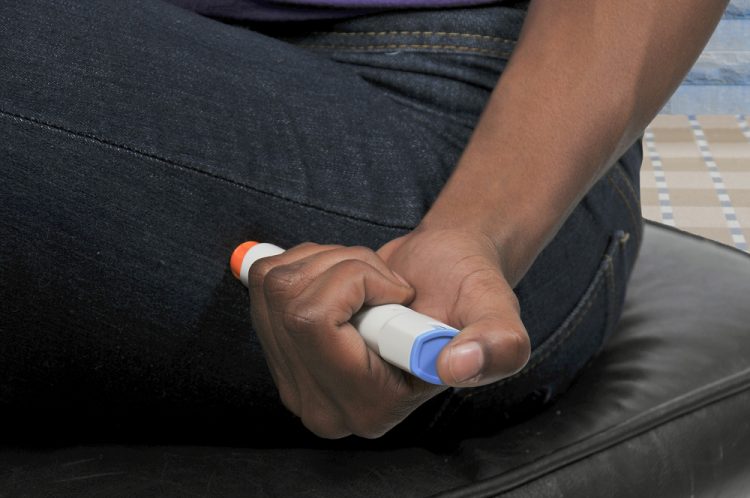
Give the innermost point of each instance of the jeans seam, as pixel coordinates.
(634, 218)
(171, 162)
(612, 289)
(556, 342)
(417, 46)
(447, 34)
(626, 180)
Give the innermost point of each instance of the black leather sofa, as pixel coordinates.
(664, 411)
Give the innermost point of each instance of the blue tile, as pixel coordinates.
(709, 99)
(738, 9)
(730, 35)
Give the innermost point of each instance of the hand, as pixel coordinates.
(459, 279)
(301, 303)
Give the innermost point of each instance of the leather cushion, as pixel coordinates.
(663, 411)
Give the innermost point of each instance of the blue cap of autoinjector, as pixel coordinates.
(425, 352)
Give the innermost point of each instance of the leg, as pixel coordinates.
(572, 297)
(139, 145)
(142, 145)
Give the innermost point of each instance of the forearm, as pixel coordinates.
(586, 78)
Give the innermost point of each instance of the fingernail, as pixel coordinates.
(466, 361)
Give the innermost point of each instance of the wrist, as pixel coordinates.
(509, 245)
(519, 216)
(517, 197)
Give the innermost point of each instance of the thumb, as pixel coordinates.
(493, 343)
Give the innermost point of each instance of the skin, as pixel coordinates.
(586, 78)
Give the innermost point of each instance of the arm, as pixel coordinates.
(585, 79)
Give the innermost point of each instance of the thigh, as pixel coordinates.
(139, 144)
(572, 297)
(220, 101)
(571, 300)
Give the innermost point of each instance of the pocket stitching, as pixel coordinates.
(448, 34)
(632, 212)
(415, 46)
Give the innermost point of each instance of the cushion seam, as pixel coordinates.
(655, 417)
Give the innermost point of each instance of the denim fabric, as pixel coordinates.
(139, 143)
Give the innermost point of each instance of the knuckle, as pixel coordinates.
(351, 267)
(520, 345)
(514, 302)
(263, 266)
(280, 281)
(290, 399)
(301, 316)
(479, 283)
(325, 425)
(368, 426)
(258, 272)
(371, 433)
(361, 253)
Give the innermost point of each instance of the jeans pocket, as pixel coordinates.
(554, 364)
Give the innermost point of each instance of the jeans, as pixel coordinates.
(140, 143)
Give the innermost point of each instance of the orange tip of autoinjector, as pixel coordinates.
(235, 262)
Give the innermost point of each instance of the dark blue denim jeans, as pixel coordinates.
(139, 143)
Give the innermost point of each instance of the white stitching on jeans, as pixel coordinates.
(132, 150)
(397, 46)
(415, 33)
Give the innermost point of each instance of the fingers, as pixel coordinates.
(274, 280)
(494, 343)
(302, 301)
(280, 365)
(261, 268)
(318, 316)
(286, 274)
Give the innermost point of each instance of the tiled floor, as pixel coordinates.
(696, 175)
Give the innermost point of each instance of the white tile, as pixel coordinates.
(737, 179)
(706, 216)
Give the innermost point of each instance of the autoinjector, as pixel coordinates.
(401, 336)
